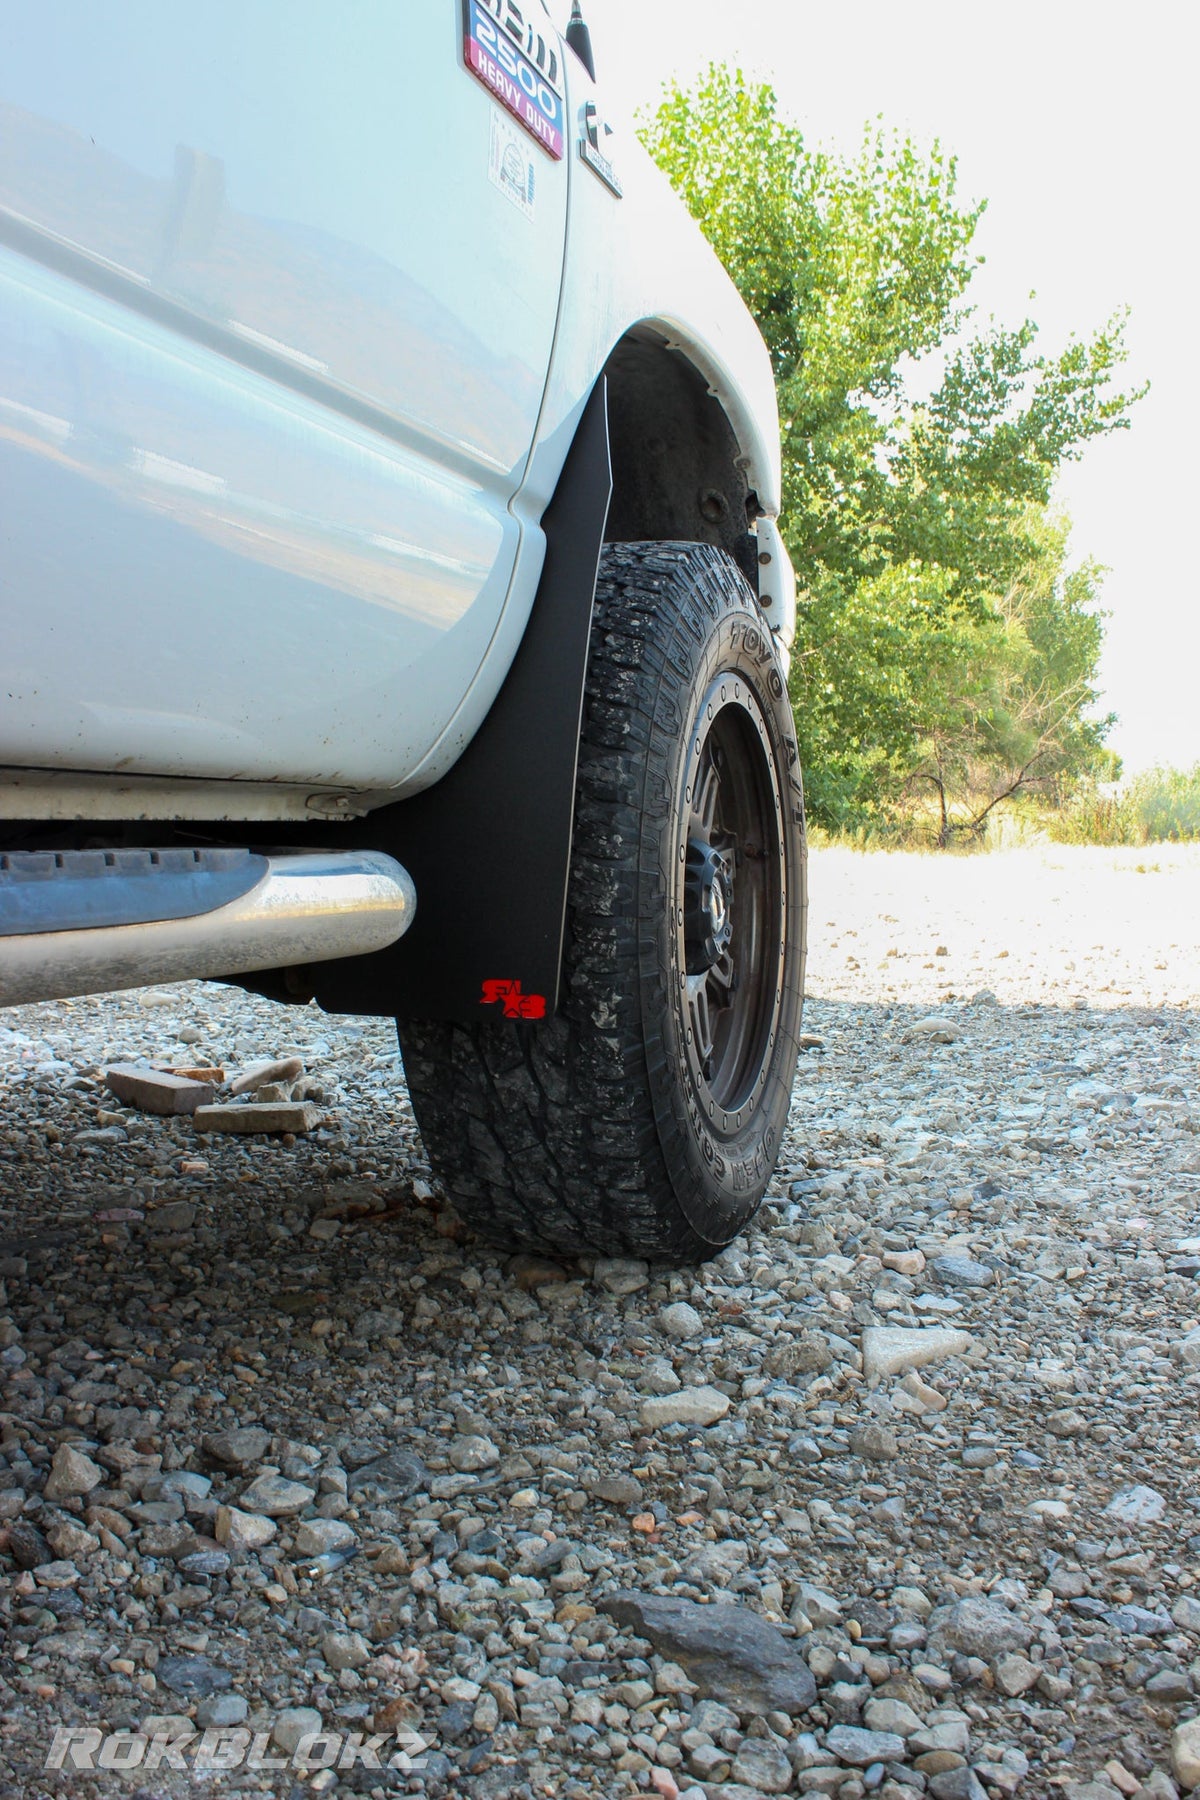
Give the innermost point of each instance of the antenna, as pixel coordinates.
(579, 39)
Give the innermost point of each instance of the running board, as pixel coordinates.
(89, 921)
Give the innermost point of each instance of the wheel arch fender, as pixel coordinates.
(682, 445)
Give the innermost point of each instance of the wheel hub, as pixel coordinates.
(708, 905)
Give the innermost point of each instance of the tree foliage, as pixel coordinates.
(944, 645)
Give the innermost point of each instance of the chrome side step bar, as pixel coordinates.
(305, 908)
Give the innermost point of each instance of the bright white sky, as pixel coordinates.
(1077, 124)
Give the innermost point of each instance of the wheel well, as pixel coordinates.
(677, 473)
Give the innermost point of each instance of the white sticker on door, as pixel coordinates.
(511, 163)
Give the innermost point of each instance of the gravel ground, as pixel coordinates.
(280, 1449)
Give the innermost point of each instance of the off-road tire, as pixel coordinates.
(596, 1130)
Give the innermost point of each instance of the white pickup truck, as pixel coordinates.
(394, 611)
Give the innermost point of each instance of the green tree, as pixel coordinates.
(943, 645)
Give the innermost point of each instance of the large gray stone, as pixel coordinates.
(294, 1724)
(238, 1446)
(762, 1766)
(962, 1271)
(852, 1744)
(1139, 1505)
(730, 1653)
(391, 1477)
(691, 1406)
(276, 1496)
(192, 1676)
(72, 1474)
(1185, 1753)
(978, 1627)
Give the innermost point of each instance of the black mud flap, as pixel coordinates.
(489, 846)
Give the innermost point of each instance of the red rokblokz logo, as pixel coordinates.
(516, 1004)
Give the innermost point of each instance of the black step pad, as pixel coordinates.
(78, 890)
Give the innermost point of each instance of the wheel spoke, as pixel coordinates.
(707, 795)
(701, 1016)
(722, 979)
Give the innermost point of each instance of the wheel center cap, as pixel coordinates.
(708, 905)
(717, 909)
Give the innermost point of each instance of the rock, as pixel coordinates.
(762, 1765)
(933, 1030)
(292, 1725)
(658, 1377)
(272, 1093)
(1186, 1613)
(272, 1069)
(276, 1496)
(616, 1490)
(957, 1784)
(205, 1562)
(890, 1349)
(807, 1353)
(620, 1275)
(379, 1322)
(72, 1474)
(1138, 1505)
(681, 1321)
(221, 1709)
(874, 1442)
(470, 1454)
(248, 1117)
(717, 1563)
(150, 1090)
(925, 1398)
(691, 1406)
(942, 1734)
(1185, 1753)
(962, 1271)
(1187, 1350)
(860, 1748)
(894, 1716)
(188, 1485)
(1171, 1685)
(912, 1600)
(1068, 1583)
(176, 1215)
(1139, 1621)
(393, 1559)
(391, 1477)
(345, 1649)
(69, 1539)
(239, 1446)
(732, 1654)
(1015, 1674)
(239, 1530)
(26, 1545)
(533, 1272)
(904, 1262)
(319, 1537)
(56, 1575)
(191, 1676)
(818, 1607)
(977, 1627)
(166, 1540)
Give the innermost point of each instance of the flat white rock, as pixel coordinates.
(690, 1406)
(888, 1349)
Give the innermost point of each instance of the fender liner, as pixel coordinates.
(489, 845)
